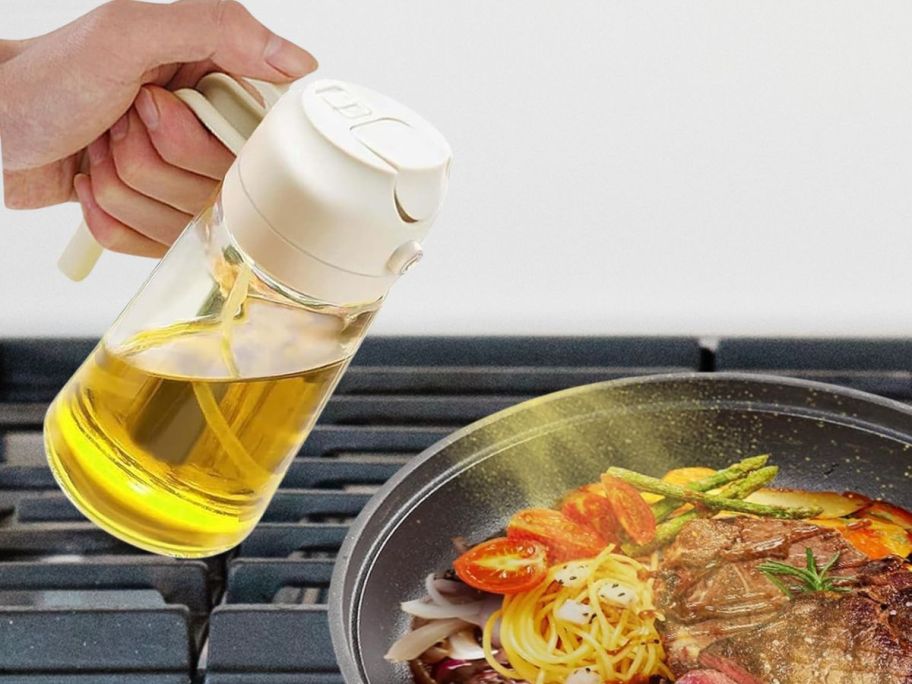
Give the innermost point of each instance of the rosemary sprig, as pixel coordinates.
(812, 578)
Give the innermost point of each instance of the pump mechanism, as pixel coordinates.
(333, 192)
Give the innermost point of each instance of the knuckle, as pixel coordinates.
(182, 151)
(107, 193)
(114, 12)
(108, 236)
(171, 151)
(193, 205)
(228, 11)
(170, 138)
(131, 168)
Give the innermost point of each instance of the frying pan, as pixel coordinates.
(821, 437)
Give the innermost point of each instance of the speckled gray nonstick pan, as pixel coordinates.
(821, 436)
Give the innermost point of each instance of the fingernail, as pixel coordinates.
(288, 57)
(98, 150)
(146, 108)
(119, 129)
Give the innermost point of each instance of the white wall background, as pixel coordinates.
(622, 167)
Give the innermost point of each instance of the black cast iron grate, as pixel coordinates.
(78, 606)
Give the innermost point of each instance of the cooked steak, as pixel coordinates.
(705, 677)
(858, 638)
(709, 586)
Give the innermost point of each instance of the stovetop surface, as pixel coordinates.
(78, 606)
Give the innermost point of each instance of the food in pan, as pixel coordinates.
(699, 577)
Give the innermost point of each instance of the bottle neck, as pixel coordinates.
(282, 292)
(291, 264)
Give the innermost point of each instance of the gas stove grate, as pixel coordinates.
(76, 605)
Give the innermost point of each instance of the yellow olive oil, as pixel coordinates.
(179, 464)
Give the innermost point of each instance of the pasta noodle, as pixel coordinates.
(582, 616)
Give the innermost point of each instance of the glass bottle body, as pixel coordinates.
(176, 431)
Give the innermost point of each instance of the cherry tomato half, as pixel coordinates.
(503, 566)
(565, 539)
(589, 508)
(632, 512)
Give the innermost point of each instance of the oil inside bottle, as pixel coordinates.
(176, 440)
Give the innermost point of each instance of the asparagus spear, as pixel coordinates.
(750, 483)
(662, 509)
(665, 534)
(668, 530)
(715, 502)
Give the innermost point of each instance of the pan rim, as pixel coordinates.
(342, 617)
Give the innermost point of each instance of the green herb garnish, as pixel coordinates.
(812, 578)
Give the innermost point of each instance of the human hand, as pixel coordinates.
(87, 113)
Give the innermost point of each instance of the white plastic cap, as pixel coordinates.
(335, 190)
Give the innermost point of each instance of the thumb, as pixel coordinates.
(222, 31)
(74, 83)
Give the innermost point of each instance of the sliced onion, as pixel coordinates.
(574, 574)
(454, 588)
(490, 604)
(444, 592)
(583, 675)
(434, 655)
(463, 646)
(430, 586)
(418, 641)
(573, 611)
(435, 611)
(618, 594)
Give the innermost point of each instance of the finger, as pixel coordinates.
(141, 168)
(197, 30)
(148, 216)
(112, 50)
(178, 136)
(108, 231)
(189, 74)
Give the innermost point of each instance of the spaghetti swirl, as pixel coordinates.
(595, 615)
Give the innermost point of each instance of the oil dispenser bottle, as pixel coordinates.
(176, 431)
